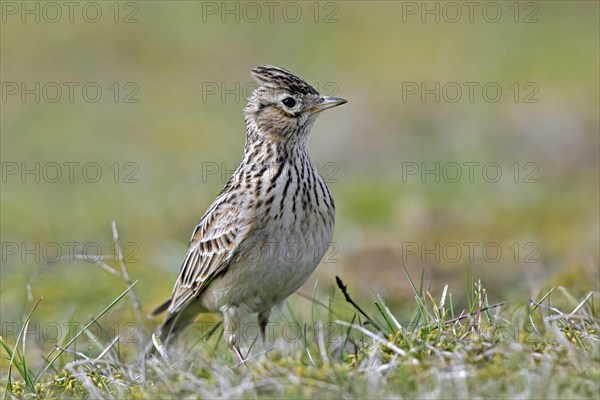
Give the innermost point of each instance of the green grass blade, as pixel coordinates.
(385, 317)
(8, 389)
(343, 349)
(13, 355)
(111, 305)
(410, 281)
(26, 373)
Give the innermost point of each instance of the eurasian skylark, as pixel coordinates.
(270, 226)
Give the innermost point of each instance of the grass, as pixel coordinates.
(547, 348)
(418, 335)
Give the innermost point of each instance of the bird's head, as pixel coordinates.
(284, 107)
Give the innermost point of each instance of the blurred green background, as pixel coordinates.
(169, 57)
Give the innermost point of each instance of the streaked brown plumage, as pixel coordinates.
(239, 259)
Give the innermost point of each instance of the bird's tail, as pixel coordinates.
(162, 308)
(171, 327)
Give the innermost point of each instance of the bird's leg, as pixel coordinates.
(230, 325)
(263, 320)
(238, 354)
(231, 342)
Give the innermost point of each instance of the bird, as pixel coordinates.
(270, 226)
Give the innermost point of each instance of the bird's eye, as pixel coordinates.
(289, 102)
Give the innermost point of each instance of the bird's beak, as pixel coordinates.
(328, 102)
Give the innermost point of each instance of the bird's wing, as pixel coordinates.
(214, 243)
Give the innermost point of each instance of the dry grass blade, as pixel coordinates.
(373, 336)
(349, 299)
(475, 313)
(136, 303)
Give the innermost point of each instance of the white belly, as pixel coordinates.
(280, 255)
(271, 268)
